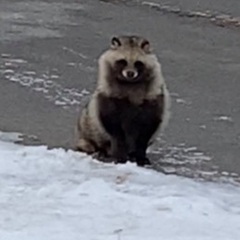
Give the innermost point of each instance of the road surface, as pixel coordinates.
(49, 50)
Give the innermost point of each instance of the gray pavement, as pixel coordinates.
(231, 7)
(48, 58)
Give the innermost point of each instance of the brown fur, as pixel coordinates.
(128, 73)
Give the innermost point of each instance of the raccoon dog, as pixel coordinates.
(129, 105)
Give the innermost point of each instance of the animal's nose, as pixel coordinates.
(130, 74)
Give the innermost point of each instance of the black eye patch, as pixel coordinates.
(121, 62)
(139, 65)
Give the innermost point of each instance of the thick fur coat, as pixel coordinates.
(130, 104)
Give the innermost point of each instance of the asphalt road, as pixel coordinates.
(231, 7)
(48, 58)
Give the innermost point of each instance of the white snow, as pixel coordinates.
(16, 70)
(64, 195)
(223, 118)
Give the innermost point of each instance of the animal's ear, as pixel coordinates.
(145, 45)
(115, 43)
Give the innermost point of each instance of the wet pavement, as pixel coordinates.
(48, 53)
(219, 7)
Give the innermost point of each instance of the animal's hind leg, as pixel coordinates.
(83, 145)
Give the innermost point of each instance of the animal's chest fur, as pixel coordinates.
(120, 116)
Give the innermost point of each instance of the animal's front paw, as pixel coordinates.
(120, 160)
(139, 158)
(143, 161)
(103, 157)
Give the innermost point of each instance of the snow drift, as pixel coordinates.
(64, 195)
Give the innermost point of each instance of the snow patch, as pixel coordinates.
(10, 137)
(223, 118)
(58, 195)
(190, 162)
(13, 70)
